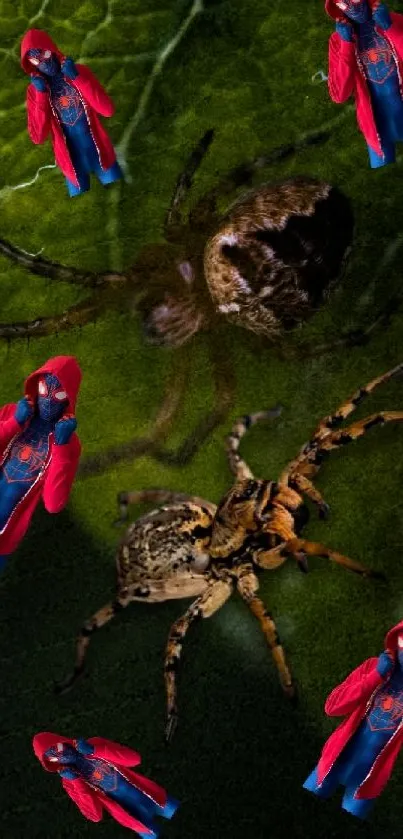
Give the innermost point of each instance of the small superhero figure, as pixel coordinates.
(362, 751)
(95, 773)
(366, 61)
(64, 100)
(39, 449)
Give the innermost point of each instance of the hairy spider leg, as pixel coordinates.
(304, 485)
(238, 466)
(352, 338)
(217, 593)
(356, 430)
(77, 315)
(311, 462)
(183, 185)
(151, 444)
(242, 175)
(224, 385)
(224, 392)
(247, 586)
(303, 546)
(307, 463)
(334, 420)
(98, 620)
(55, 270)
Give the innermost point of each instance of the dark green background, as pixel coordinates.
(240, 753)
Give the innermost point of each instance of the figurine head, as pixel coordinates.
(62, 754)
(52, 399)
(356, 10)
(45, 61)
(399, 652)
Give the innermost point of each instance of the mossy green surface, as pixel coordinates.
(240, 753)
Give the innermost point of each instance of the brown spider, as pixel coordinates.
(266, 266)
(192, 548)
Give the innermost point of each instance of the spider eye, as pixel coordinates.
(60, 395)
(42, 389)
(47, 54)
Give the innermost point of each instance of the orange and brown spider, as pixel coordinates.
(193, 548)
(266, 266)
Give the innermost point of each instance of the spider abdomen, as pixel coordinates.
(164, 555)
(277, 252)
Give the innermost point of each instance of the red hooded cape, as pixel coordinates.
(54, 483)
(346, 77)
(91, 801)
(353, 697)
(43, 119)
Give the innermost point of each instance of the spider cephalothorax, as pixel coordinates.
(191, 547)
(267, 265)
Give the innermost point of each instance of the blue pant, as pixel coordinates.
(376, 161)
(168, 811)
(105, 176)
(85, 160)
(359, 807)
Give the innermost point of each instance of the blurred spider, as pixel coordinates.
(193, 548)
(266, 266)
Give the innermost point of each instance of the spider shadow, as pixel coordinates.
(240, 753)
(250, 750)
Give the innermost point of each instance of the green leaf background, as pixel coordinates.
(175, 69)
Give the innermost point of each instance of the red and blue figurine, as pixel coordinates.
(64, 101)
(361, 752)
(39, 448)
(98, 775)
(366, 61)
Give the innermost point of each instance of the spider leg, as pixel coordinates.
(352, 338)
(242, 175)
(78, 315)
(299, 547)
(224, 386)
(238, 466)
(323, 440)
(204, 606)
(184, 183)
(157, 496)
(247, 586)
(54, 270)
(347, 408)
(151, 445)
(303, 484)
(356, 430)
(99, 619)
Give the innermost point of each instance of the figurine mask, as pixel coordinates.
(61, 753)
(52, 398)
(356, 10)
(45, 61)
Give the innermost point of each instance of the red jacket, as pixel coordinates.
(354, 697)
(54, 483)
(91, 801)
(43, 119)
(346, 74)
